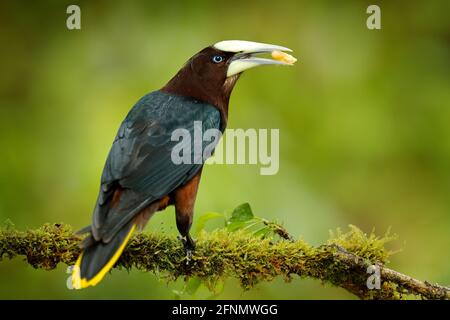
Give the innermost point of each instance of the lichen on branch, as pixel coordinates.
(220, 254)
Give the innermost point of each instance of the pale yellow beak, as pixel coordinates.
(245, 52)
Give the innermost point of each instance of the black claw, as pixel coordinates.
(190, 243)
(188, 256)
(189, 246)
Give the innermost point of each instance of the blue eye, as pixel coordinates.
(217, 59)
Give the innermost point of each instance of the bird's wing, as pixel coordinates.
(139, 168)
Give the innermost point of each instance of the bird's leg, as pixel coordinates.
(189, 246)
(188, 242)
(184, 198)
(185, 238)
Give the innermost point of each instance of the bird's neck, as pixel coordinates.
(187, 84)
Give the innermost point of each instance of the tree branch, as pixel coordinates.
(342, 262)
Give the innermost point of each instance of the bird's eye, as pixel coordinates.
(217, 59)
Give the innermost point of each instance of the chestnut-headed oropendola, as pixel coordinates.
(139, 177)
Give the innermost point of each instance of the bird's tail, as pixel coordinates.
(98, 258)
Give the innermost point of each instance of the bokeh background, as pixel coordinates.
(363, 118)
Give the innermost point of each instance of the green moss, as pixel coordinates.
(221, 254)
(42, 248)
(370, 246)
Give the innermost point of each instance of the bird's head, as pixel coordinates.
(211, 74)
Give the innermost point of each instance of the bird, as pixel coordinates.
(139, 177)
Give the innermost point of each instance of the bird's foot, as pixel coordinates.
(189, 247)
(188, 256)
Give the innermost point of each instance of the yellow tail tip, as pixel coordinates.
(81, 283)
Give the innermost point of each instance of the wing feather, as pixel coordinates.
(140, 162)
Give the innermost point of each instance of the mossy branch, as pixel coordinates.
(342, 262)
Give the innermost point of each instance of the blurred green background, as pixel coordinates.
(363, 118)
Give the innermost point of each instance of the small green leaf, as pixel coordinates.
(236, 225)
(204, 218)
(263, 232)
(252, 223)
(217, 290)
(192, 285)
(242, 213)
(177, 294)
(243, 225)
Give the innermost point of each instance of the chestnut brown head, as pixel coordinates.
(211, 74)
